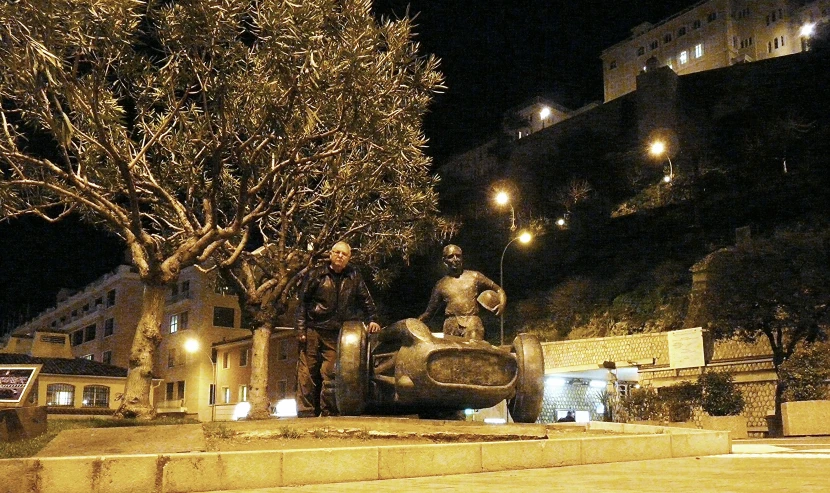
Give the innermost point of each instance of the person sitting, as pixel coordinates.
(568, 418)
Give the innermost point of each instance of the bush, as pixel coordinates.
(803, 374)
(719, 396)
(641, 404)
(679, 400)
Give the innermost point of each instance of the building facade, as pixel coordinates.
(233, 375)
(711, 34)
(100, 322)
(65, 385)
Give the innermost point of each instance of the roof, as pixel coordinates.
(63, 366)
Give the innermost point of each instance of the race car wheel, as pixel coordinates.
(526, 405)
(352, 369)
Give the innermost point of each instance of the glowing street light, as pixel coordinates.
(502, 199)
(193, 346)
(544, 113)
(524, 237)
(658, 148)
(806, 32)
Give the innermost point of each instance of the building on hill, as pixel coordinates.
(712, 34)
(100, 322)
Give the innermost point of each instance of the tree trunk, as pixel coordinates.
(136, 399)
(260, 404)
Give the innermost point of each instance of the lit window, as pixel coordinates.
(60, 394)
(243, 393)
(88, 357)
(96, 396)
(683, 58)
(226, 395)
(698, 50)
(174, 323)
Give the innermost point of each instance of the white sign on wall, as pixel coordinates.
(686, 348)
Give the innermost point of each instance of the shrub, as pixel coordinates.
(803, 374)
(641, 404)
(679, 400)
(719, 395)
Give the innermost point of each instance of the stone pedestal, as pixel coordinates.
(806, 418)
(22, 422)
(735, 425)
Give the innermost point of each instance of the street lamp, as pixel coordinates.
(658, 148)
(502, 199)
(193, 346)
(806, 31)
(544, 113)
(524, 237)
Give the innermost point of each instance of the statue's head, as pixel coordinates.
(452, 259)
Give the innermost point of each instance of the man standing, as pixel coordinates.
(459, 290)
(330, 295)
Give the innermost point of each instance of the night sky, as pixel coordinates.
(494, 54)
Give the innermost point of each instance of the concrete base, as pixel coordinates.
(210, 471)
(735, 425)
(806, 418)
(22, 422)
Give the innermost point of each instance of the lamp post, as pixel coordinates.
(658, 148)
(523, 237)
(503, 199)
(806, 31)
(193, 346)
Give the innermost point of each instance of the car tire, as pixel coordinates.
(526, 405)
(351, 379)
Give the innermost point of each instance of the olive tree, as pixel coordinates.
(187, 126)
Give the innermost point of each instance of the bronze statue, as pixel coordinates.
(459, 291)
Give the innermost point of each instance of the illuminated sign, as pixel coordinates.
(16, 382)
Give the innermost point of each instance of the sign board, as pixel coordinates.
(16, 381)
(686, 348)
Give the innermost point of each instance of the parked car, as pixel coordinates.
(405, 369)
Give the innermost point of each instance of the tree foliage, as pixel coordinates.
(775, 288)
(804, 375)
(718, 394)
(193, 128)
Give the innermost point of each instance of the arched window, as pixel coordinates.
(60, 394)
(96, 396)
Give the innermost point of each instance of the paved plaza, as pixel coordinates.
(796, 465)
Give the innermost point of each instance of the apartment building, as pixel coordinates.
(711, 34)
(101, 320)
(233, 374)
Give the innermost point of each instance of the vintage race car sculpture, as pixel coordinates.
(404, 369)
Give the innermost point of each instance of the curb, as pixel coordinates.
(211, 471)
